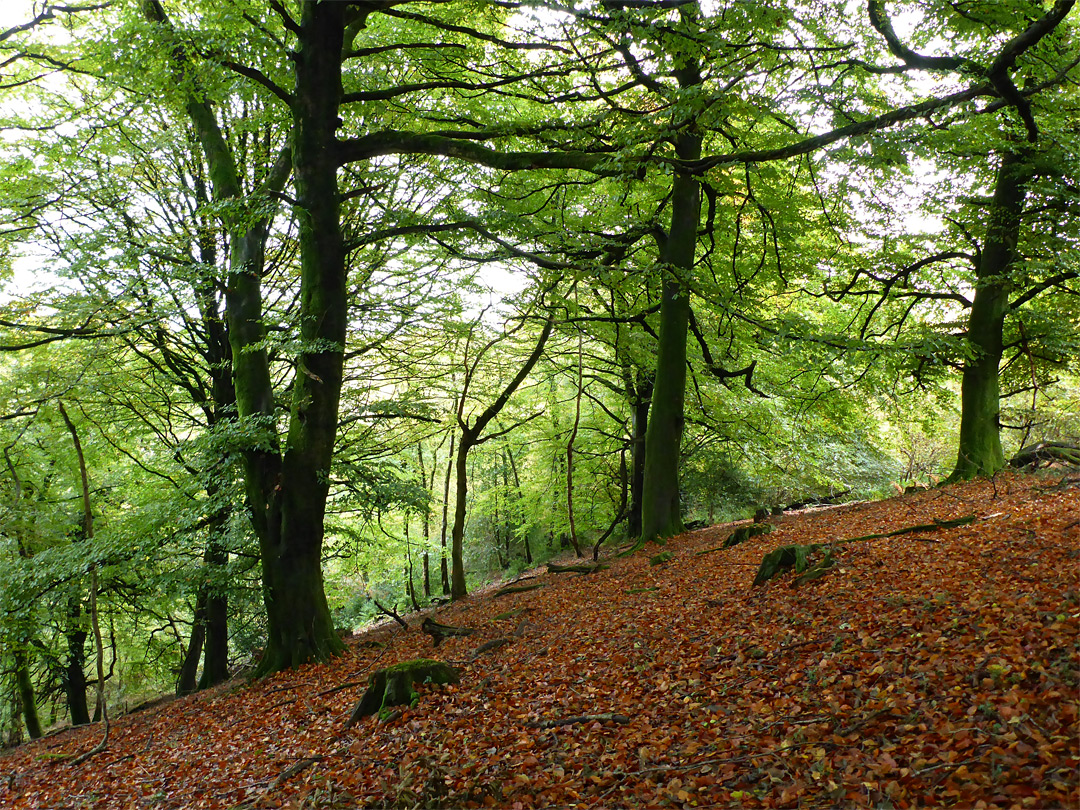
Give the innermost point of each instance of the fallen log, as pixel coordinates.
(823, 500)
(517, 589)
(580, 568)
(512, 614)
(438, 632)
(488, 646)
(922, 527)
(799, 556)
(391, 613)
(1049, 452)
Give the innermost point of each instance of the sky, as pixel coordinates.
(15, 12)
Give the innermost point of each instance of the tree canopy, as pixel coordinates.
(355, 304)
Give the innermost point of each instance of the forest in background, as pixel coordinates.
(260, 385)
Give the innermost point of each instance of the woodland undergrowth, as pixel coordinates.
(928, 669)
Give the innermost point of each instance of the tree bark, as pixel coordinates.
(88, 535)
(425, 522)
(661, 515)
(216, 617)
(640, 392)
(25, 686)
(517, 499)
(570, 450)
(300, 626)
(189, 667)
(458, 589)
(980, 450)
(287, 490)
(26, 701)
(444, 571)
(74, 671)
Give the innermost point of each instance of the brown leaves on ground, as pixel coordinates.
(936, 670)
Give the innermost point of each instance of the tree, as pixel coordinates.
(472, 434)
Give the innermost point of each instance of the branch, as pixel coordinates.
(259, 77)
(715, 368)
(493, 409)
(394, 142)
(1042, 287)
(49, 13)
(807, 145)
(585, 718)
(875, 9)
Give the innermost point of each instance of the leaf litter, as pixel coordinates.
(937, 670)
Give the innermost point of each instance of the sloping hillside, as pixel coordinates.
(932, 668)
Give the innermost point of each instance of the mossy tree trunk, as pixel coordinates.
(661, 514)
(25, 685)
(287, 487)
(980, 450)
(300, 626)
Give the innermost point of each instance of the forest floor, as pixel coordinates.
(928, 669)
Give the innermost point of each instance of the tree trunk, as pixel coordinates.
(661, 515)
(189, 667)
(517, 499)
(299, 624)
(980, 450)
(26, 702)
(470, 436)
(457, 534)
(426, 517)
(26, 691)
(216, 655)
(640, 403)
(74, 672)
(443, 569)
(287, 491)
(570, 451)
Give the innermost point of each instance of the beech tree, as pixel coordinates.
(631, 148)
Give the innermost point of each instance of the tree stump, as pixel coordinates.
(744, 533)
(393, 686)
(783, 558)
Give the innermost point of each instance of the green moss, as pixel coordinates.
(393, 686)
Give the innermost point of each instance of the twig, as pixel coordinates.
(293, 770)
(339, 688)
(923, 527)
(727, 760)
(585, 718)
(870, 718)
(391, 613)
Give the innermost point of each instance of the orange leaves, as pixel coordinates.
(928, 675)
